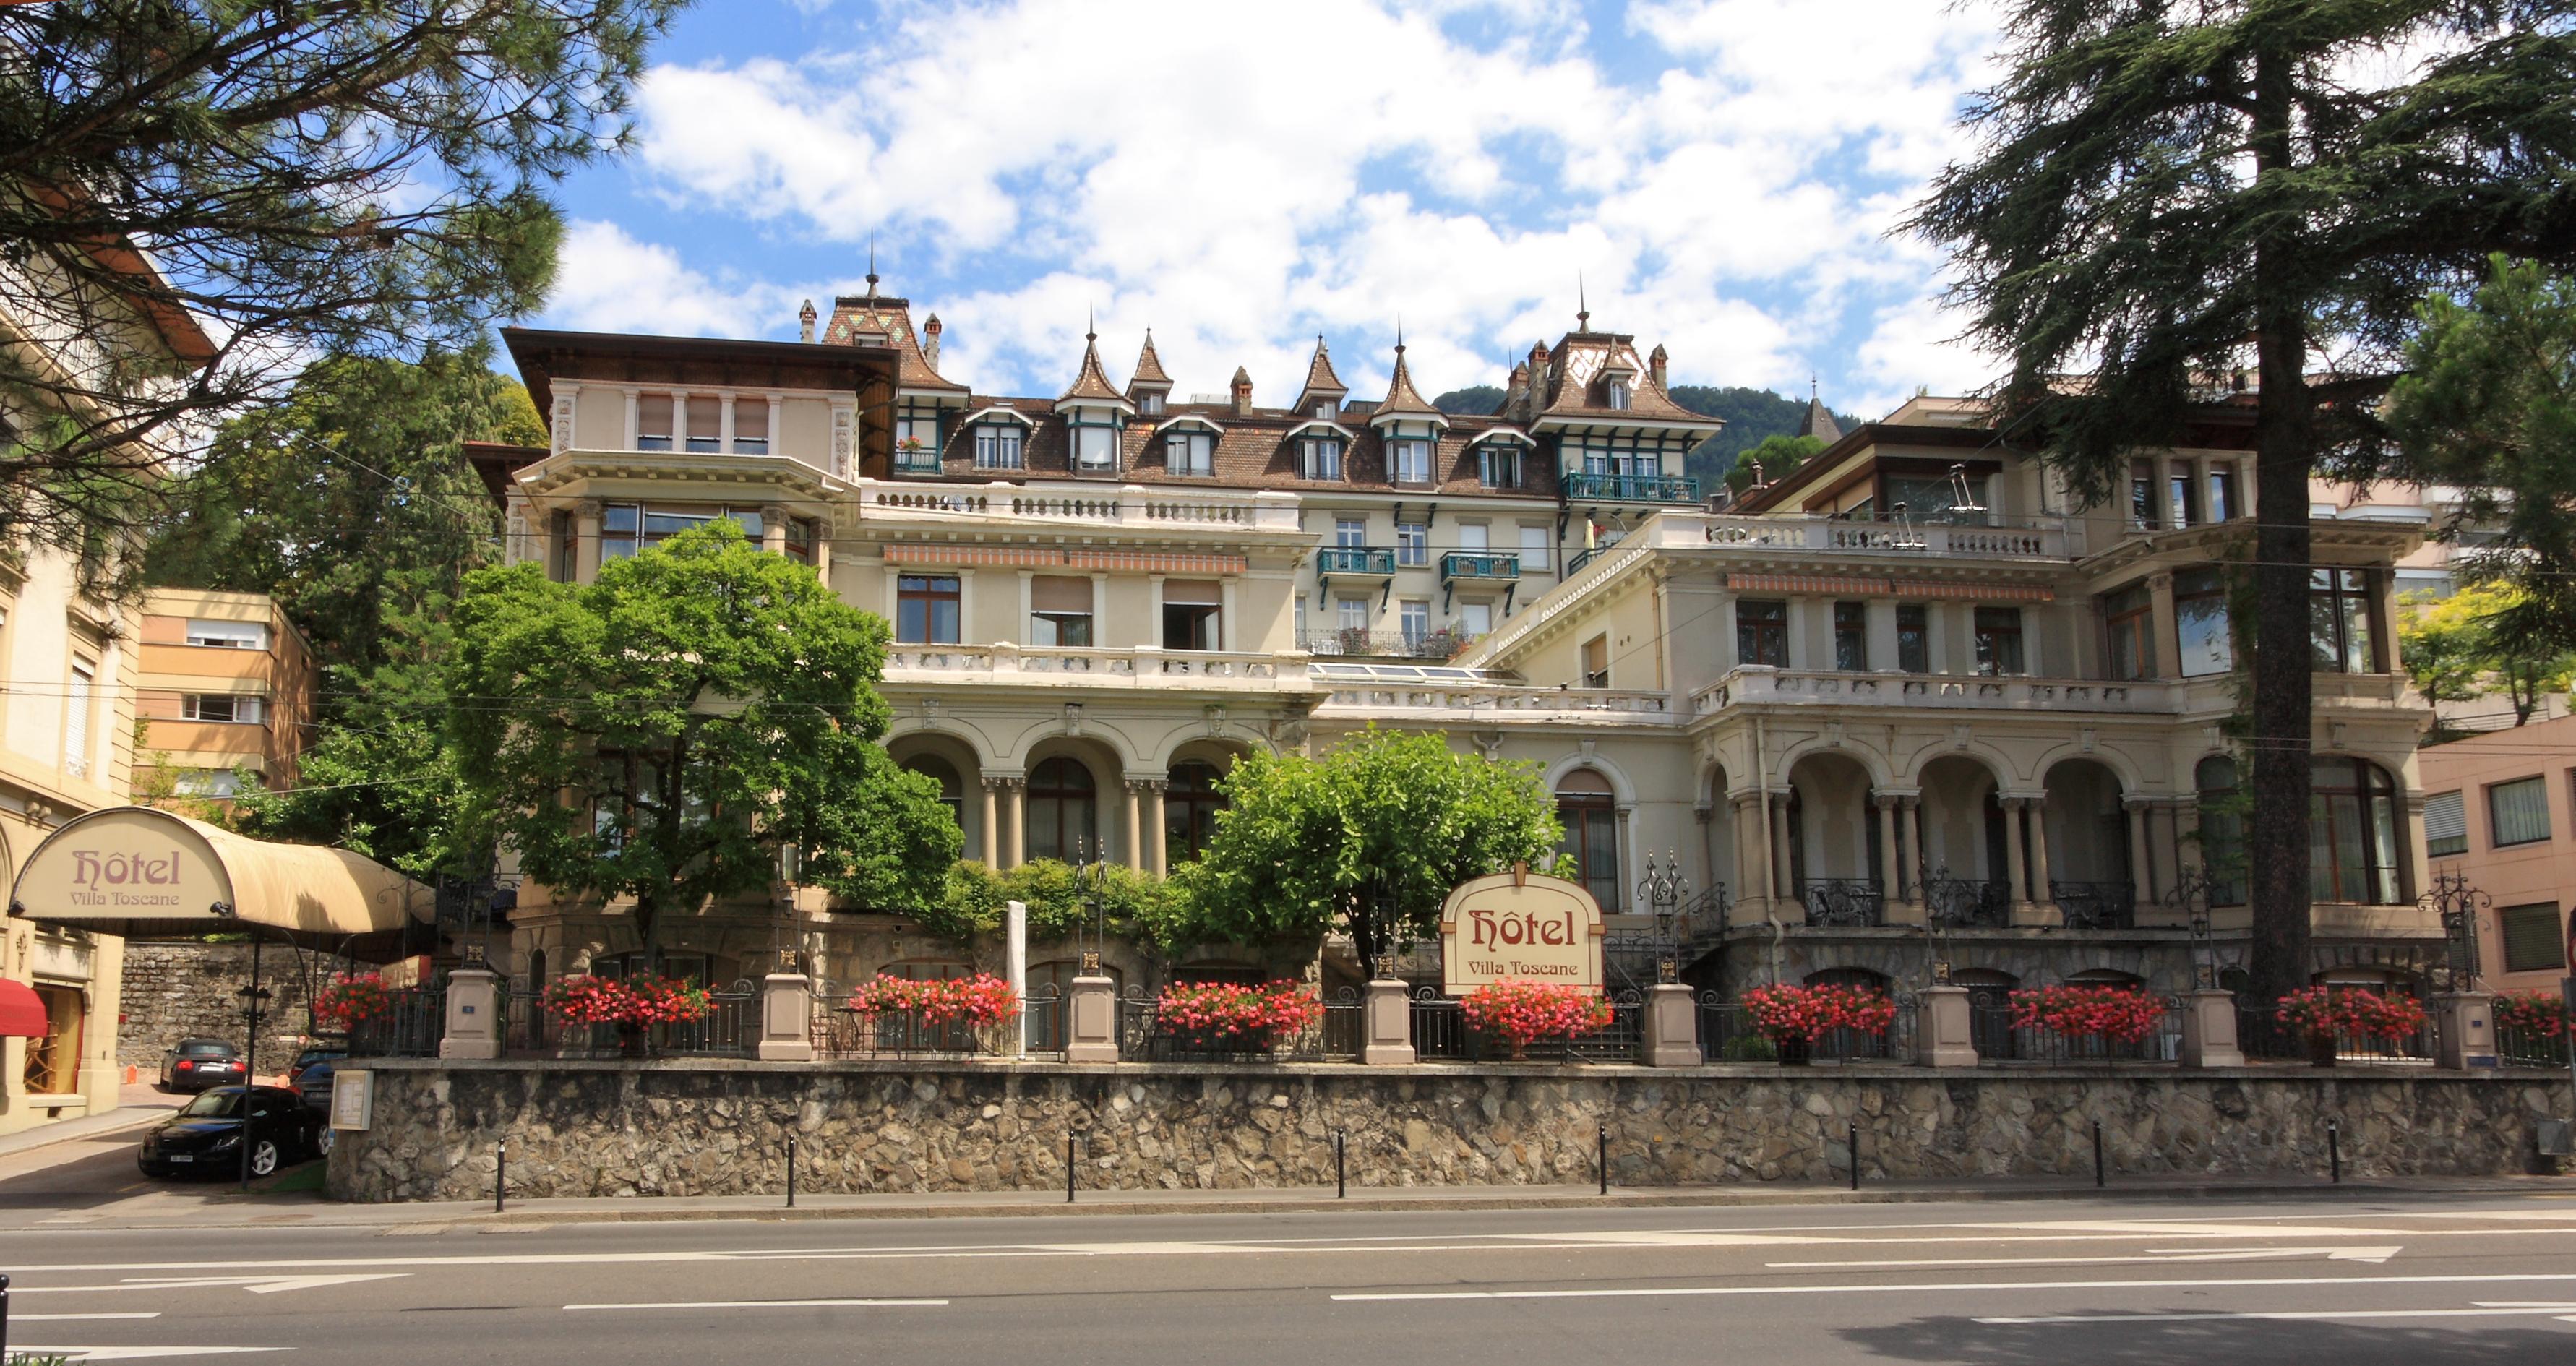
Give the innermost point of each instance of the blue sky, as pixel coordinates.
(1720, 175)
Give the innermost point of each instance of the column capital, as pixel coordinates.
(999, 782)
(586, 507)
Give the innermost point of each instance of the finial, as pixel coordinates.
(1582, 306)
(872, 264)
(1399, 334)
(1090, 330)
(1812, 392)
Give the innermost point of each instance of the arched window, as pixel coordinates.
(2352, 822)
(1063, 811)
(952, 793)
(1190, 804)
(2222, 830)
(1590, 814)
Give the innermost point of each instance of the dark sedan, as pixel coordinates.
(313, 1083)
(195, 1064)
(206, 1134)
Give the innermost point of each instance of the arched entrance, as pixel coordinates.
(1834, 857)
(2086, 848)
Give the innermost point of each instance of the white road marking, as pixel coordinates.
(1946, 1287)
(2153, 1254)
(769, 1304)
(257, 1285)
(2564, 1313)
(136, 1353)
(60, 1318)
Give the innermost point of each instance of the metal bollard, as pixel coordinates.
(2334, 1150)
(500, 1173)
(1852, 1140)
(1601, 1158)
(791, 1171)
(1341, 1186)
(2097, 1155)
(1068, 1168)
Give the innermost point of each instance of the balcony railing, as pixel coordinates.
(916, 460)
(1131, 505)
(1356, 560)
(1844, 901)
(2096, 905)
(2004, 539)
(1632, 488)
(1384, 644)
(1039, 665)
(1966, 903)
(1495, 566)
(1750, 684)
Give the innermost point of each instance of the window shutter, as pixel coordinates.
(1191, 592)
(2518, 812)
(1059, 593)
(2533, 941)
(2446, 825)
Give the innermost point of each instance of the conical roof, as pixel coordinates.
(1321, 382)
(1402, 399)
(1149, 367)
(1819, 422)
(1091, 382)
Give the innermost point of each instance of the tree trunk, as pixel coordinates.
(2277, 843)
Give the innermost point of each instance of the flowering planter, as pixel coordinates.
(1793, 1051)
(2321, 1050)
(1522, 1012)
(1796, 1018)
(1232, 1018)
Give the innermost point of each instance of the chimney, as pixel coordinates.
(1242, 392)
(1538, 375)
(1655, 366)
(930, 341)
(805, 322)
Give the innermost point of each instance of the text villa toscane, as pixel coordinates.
(1491, 931)
(111, 880)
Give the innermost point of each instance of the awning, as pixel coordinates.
(134, 869)
(22, 1012)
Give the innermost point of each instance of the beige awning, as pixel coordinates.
(134, 869)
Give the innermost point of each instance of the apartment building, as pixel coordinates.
(2500, 811)
(223, 693)
(1906, 705)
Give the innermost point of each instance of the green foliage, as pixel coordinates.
(710, 704)
(1476, 400)
(1138, 905)
(1752, 416)
(1369, 839)
(2467, 646)
(1779, 457)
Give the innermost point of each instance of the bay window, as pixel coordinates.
(2200, 622)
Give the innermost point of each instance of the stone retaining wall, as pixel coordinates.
(180, 989)
(706, 1128)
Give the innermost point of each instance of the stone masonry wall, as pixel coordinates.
(182, 988)
(698, 1128)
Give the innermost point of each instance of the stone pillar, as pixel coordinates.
(786, 1003)
(1891, 866)
(1783, 868)
(2142, 868)
(1135, 826)
(1672, 1027)
(2464, 1024)
(474, 1015)
(2411, 864)
(1911, 821)
(2012, 856)
(2043, 901)
(1942, 1037)
(1091, 1021)
(1016, 848)
(585, 540)
(773, 521)
(2209, 1029)
(1155, 852)
(1750, 894)
(1386, 1015)
(992, 833)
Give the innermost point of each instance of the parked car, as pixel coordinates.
(207, 1134)
(313, 1083)
(195, 1064)
(311, 1055)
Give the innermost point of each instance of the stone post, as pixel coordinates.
(786, 1003)
(474, 1015)
(1091, 1013)
(2209, 1029)
(2464, 1022)
(1672, 1027)
(1941, 1034)
(1386, 1014)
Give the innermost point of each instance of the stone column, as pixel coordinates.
(585, 540)
(2042, 897)
(2209, 1029)
(1672, 1027)
(2411, 867)
(786, 1004)
(1387, 1021)
(1629, 858)
(1016, 849)
(1942, 1037)
(2012, 856)
(2142, 869)
(1891, 868)
(474, 1015)
(1912, 821)
(1752, 862)
(773, 521)
(2464, 1025)
(1783, 868)
(1091, 1016)
(992, 828)
(1135, 826)
(1155, 851)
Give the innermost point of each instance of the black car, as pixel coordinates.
(206, 1134)
(195, 1064)
(313, 1083)
(319, 1053)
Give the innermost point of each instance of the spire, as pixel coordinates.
(1322, 385)
(1818, 421)
(872, 264)
(1402, 399)
(1091, 383)
(1582, 306)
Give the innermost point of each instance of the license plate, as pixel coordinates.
(181, 1157)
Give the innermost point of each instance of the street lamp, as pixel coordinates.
(2190, 897)
(2458, 902)
(1665, 889)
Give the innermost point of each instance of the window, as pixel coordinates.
(1851, 636)
(926, 609)
(1596, 662)
(1060, 611)
(1618, 394)
(1590, 815)
(1999, 641)
(1534, 549)
(567, 548)
(2446, 825)
(706, 423)
(1498, 465)
(1475, 619)
(1150, 403)
(219, 706)
(2222, 830)
(2200, 622)
(2127, 618)
(1320, 457)
(2352, 820)
(76, 707)
(206, 782)
(1410, 461)
(1412, 544)
(1350, 615)
(1190, 453)
(1913, 638)
(1350, 533)
(1095, 449)
(231, 635)
(2222, 493)
(751, 425)
(2339, 634)
(1413, 617)
(653, 422)
(997, 446)
(952, 793)
(1190, 804)
(916, 443)
(2534, 941)
(1326, 409)
(1063, 811)
(2517, 813)
(2182, 495)
(1191, 614)
(800, 540)
(1475, 536)
(2142, 494)
(1762, 633)
(626, 528)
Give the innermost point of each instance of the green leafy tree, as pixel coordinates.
(1779, 455)
(2488, 405)
(663, 732)
(329, 178)
(1368, 839)
(2160, 192)
(1476, 400)
(2467, 646)
(971, 903)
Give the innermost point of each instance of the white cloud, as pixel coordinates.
(606, 281)
(1914, 346)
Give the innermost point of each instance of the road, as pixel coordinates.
(2491, 1279)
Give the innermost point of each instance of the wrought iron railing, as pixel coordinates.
(1501, 566)
(1966, 903)
(837, 1031)
(2262, 1036)
(413, 1022)
(2096, 905)
(729, 1029)
(923, 460)
(2000, 1041)
(1442, 1032)
(1843, 901)
(1354, 560)
(1727, 1034)
(1145, 1035)
(2532, 1048)
(1633, 488)
(1384, 644)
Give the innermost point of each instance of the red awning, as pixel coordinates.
(22, 1012)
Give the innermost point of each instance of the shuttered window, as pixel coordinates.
(2533, 939)
(2446, 825)
(2517, 812)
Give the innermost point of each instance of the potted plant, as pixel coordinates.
(978, 1002)
(1793, 1018)
(2321, 1013)
(1232, 1017)
(2104, 1014)
(632, 1004)
(351, 999)
(1524, 1011)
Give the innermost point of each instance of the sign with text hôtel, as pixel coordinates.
(1523, 925)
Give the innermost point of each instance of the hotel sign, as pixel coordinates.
(126, 863)
(1519, 925)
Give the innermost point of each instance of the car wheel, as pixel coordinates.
(324, 1141)
(263, 1157)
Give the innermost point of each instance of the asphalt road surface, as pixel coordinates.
(2102, 1283)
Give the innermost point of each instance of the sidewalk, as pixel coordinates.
(138, 1104)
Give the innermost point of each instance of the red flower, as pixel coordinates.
(2106, 1012)
(1235, 1016)
(1522, 1010)
(2326, 1011)
(1786, 1012)
(350, 999)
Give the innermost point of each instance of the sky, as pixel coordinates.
(1240, 176)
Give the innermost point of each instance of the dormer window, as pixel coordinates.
(1149, 403)
(1498, 466)
(1095, 448)
(1192, 453)
(997, 446)
(1326, 409)
(1619, 395)
(1320, 457)
(916, 444)
(1409, 461)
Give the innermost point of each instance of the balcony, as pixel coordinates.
(1998, 538)
(1059, 667)
(1383, 644)
(916, 459)
(1480, 566)
(1631, 488)
(1355, 562)
(2096, 905)
(1759, 684)
(1843, 902)
(1130, 505)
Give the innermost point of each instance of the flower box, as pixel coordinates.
(1524, 1012)
(1233, 1017)
(1796, 1018)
